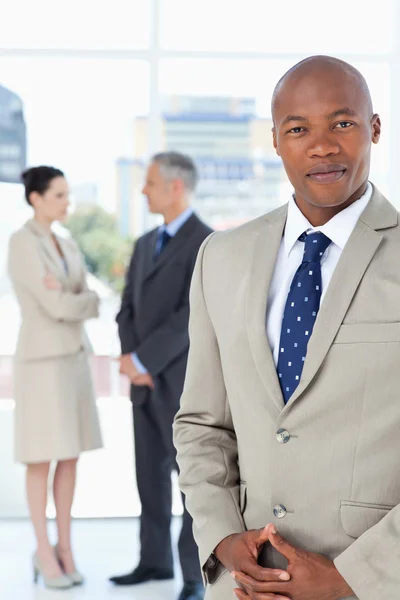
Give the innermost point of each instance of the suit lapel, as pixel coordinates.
(354, 261)
(48, 247)
(73, 275)
(171, 249)
(266, 249)
(148, 254)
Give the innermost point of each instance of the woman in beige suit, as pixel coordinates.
(55, 417)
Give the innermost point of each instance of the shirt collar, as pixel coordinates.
(338, 229)
(175, 225)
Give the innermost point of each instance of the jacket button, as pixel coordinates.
(282, 436)
(280, 511)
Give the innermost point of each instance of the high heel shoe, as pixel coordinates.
(60, 583)
(76, 577)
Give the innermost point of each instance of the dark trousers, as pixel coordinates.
(155, 459)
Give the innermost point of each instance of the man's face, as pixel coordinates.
(323, 129)
(158, 191)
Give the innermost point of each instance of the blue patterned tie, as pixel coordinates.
(302, 306)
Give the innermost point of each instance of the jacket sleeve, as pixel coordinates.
(126, 316)
(26, 268)
(371, 564)
(204, 435)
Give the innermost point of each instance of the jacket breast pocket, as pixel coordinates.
(358, 517)
(368, 333)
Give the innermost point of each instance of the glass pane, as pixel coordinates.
(219, 112)
(288, 26)
(75, 24)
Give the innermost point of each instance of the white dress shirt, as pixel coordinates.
(290, 256)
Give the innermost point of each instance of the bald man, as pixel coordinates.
(288, 434)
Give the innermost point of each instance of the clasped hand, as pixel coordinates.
(51, 282)
(126, 367)
(309, 576)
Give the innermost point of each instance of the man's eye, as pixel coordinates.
(344, 125)
(296, 130)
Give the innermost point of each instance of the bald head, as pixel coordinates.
(322, 68)
(324, 127)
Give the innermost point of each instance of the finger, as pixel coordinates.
(280, 544)
(256, 586)
(268, 597)
(262, 535)
(240, 594)
(263, 574)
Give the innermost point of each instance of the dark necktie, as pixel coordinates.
(162, 241)
(301, 309)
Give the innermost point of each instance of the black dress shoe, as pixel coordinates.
(142, 574)
(192, 590)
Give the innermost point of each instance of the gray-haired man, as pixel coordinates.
(153, 328)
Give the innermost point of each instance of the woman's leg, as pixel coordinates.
(36, 487)
(64, 488)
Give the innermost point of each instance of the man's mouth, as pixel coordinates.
(327, 173)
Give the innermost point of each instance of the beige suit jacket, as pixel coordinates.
(52, 321)
(338, 475)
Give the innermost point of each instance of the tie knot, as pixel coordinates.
(165, 237)
(162, 240)
(315, 245)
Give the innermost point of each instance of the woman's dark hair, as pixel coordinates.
(38, 179)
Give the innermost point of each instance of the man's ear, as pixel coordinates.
(274, 141)
(376, 128)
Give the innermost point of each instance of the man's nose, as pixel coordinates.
(323, 145)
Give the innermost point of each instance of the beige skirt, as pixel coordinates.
(55, 409)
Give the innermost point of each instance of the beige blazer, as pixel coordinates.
(338, 475)
(52, 321)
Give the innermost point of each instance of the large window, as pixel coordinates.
(104, 85)
(75, 25)
(80, 115)
(287, 27)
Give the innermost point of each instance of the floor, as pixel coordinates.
(102, 547)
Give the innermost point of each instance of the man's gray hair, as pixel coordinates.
(174, 165)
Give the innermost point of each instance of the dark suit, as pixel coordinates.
(153, 323)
